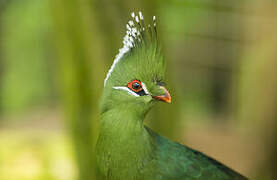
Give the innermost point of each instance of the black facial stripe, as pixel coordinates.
(141, 93)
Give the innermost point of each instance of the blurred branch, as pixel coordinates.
(1, 59)
(79, 85)
(3, 5)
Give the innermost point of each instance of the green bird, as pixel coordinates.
(127, 149)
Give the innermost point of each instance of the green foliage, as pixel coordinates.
(26, 74)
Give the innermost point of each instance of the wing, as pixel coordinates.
(176, 161)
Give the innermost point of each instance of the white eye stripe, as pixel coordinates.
(130, 91)
(126, 89)
(144, 88)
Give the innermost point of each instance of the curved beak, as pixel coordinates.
(165, 97)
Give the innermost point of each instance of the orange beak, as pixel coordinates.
(165, 97)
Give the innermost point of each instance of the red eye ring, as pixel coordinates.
(135, 85)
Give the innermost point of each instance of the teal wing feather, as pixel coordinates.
(176, 161)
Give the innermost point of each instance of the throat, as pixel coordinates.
(123, 143)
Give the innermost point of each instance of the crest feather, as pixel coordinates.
(136, 35)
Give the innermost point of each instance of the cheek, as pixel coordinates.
(146, 99)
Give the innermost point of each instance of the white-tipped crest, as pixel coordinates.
(132, 34)
(140, 16)
(154, 20)
(133, 14)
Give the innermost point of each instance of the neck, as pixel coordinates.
(123, 141)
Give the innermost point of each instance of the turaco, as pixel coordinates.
(126, 148)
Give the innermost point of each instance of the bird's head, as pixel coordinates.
(137, 75)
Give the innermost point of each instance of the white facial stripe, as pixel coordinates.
(130, 91)
(145, 88)
(126, 89)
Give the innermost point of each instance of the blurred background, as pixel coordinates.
(222, 74)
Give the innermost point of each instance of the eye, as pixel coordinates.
(135, 85)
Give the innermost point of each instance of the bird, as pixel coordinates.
(127, 149)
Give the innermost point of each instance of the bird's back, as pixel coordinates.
(176, 161)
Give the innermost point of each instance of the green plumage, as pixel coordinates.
(128, 150)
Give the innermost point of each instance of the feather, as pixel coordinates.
(134, 38)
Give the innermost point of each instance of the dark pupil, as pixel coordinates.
(136, 86)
